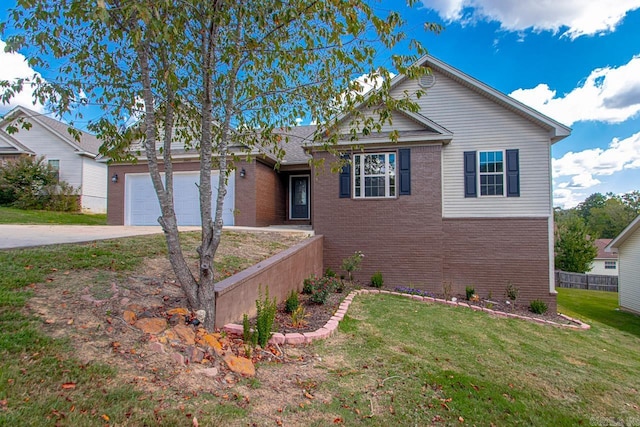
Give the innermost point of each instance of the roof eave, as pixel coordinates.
(624, 235)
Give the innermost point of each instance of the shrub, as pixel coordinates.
(470, 292)
(291, 303)
(298, 316)
(319, 288)
(329, 272)
(26, 183)
(265, 317)
(376, 280)
(352, 263)
(308, 284)
(538, 306)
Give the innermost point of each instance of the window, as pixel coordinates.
(491, 173)
(374, 175)
(55, 166)
(609, 265)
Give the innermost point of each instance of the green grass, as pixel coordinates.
(19, 216)
(599, 308)
(406, 363)
(33, 366)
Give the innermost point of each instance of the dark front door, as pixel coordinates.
(299, 193)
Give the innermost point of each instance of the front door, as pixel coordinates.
(299, 197)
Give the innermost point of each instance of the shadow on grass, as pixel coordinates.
(597, 306)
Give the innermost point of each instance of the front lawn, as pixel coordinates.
(19, 216)
(394, 361)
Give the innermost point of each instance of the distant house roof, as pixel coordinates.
(89, 144)
(624, 235)
(601, 244)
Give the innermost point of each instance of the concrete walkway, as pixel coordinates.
(21, 236)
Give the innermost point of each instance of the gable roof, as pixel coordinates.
(88, 145)
(12, 145)
(557, 130)
(601, 244)
(624, 235)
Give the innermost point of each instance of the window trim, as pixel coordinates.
(503, 173)
(387, 184)
(610, 265)
(56, 167)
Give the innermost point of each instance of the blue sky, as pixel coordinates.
(577, 61)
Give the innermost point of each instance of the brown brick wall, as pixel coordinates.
(489, 253)
(401, 237)
(245, 197)
(283, 272)
(269, 196)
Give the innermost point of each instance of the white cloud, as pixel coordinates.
(608, 94)
(575, 172)
(14, 65)
(574, 17)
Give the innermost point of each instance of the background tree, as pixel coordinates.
(575, 250)
(211, 74)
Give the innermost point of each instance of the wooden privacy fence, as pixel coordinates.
(593, 282)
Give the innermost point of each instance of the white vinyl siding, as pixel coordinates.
(479, 124)
(400, 123)
(598, 267)
(629, 273)
(94, 186)
(47, 144)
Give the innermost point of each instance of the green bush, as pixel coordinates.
(352, 263)
(308, 284)
(265, 317)
(376, 280)
(28, 183)
(329, 272)
(470, 292)
(291, 303)
(538, 306)
(319, 288)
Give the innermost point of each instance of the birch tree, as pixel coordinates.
(211, 74)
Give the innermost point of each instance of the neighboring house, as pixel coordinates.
(463, 197)
(74, 160)
(627, 244)
(605, 263)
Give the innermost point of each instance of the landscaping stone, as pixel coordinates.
(178, 358)
(210, 372)
(194, 354)
(151, 325)
(240, 365)
(213, 342)
(233, 329)
(186, 334)
(277, 338)
(179, 310)
(156, 347)
(294, 338)
(129, 317)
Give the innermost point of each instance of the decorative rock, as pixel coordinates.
(180, 310)
(176, 319)
(156, 347)
(178, 358)
(210, 372)
(240, 365)
(125, 301)
(185, 333)
(136, 308)
(201, 315)
(194, 354)
(151, 325)
(213, 342)
(417, 297)
(129, 317)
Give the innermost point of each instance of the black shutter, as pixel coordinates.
(470, 176)
(404, 164)
(345, 177)
(513, 173)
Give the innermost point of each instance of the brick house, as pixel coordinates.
(462, 197)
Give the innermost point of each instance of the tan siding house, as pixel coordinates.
(627, 243)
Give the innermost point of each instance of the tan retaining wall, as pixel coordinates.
(283, 272)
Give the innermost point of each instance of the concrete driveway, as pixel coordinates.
(20, 236)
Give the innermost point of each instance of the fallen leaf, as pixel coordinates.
(69, 386)
(105, 417)
(307, 395)
(70, 322)
(28, 267)
(54, 269)
(461, 419)
(338, 420)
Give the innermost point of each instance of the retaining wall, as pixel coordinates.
(237, 295)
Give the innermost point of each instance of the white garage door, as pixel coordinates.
(142, 207)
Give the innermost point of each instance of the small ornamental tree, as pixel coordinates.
(575, 250)
(212, 74)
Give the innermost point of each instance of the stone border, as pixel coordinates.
(332, 324)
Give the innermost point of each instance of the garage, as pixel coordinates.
(141, 202)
